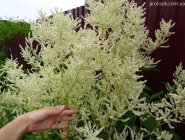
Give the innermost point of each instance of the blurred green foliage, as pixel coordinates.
(10, 27)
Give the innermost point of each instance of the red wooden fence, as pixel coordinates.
(171, 57)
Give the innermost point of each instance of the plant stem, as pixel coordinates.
(59, 134)
(71, 87)
(111, 131)
(67, 130)
(158, 125)
(104, 122)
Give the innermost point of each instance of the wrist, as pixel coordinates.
(22, 121)
(17, 128)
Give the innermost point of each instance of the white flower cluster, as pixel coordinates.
(94, 70)
(164, 136)
(179, 76)
(90, 132)
(172, 108)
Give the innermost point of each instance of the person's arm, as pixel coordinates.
(38, 120)
(15, 129)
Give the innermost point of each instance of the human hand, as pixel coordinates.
(45, 118)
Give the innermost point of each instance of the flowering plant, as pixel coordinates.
(97, 71)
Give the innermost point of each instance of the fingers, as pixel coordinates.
(66, 115)
(69, 112)
(61, 112)
(53, 110)
(64, 118)
(56, 110)
(59, 126)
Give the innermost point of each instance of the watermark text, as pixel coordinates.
(158, 3)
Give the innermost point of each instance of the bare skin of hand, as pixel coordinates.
(38, 120)
(45, 118)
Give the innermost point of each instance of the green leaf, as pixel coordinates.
(29, 137)
(175, 136)
(103, 135)
(157, 95)
(71, 138)
(157, 70)
(146, 69)
(145, 95)
(157, 101)
(147, 88)
(121, 125)
(149, 69)
(174, 124)
(150, 123)
(129, 115)
(132, 125)
(169, 87)
(151, 138)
